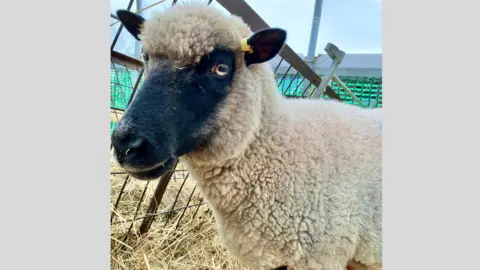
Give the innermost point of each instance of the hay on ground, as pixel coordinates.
(193, 245)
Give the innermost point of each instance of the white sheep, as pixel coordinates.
(292, 183)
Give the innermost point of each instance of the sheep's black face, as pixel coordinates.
(166, 117)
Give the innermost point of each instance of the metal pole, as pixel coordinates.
(315, 28)
(326, 79)
(138, 45)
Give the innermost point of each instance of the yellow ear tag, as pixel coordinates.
(245, 47)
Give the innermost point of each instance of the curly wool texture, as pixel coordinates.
(188, 31)
(291, 182)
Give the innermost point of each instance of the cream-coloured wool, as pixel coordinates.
(291, 182)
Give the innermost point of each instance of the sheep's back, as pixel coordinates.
(324, 159)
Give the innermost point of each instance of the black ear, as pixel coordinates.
(265, 44)
(131, 21)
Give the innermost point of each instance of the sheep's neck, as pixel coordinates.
(225, 181)
(233, 184)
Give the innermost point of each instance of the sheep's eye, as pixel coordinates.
(145, 56)
(220, 70)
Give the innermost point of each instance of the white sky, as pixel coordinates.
(355, 26)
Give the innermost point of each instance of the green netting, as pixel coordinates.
(365, 89)
(294, 88)
(120, 88)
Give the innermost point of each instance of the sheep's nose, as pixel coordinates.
(127, 144)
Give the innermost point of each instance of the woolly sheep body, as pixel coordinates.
(290, 182)
(306, 192)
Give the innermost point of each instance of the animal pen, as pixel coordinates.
(146, 209)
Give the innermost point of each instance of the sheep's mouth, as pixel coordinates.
(154, 173)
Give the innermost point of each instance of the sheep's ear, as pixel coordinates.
(263, 45)
(131, 21)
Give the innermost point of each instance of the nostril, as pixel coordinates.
(128, 144)
(135, 146)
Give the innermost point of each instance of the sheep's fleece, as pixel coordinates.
(291, 182)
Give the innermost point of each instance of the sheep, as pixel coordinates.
(293, 184)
